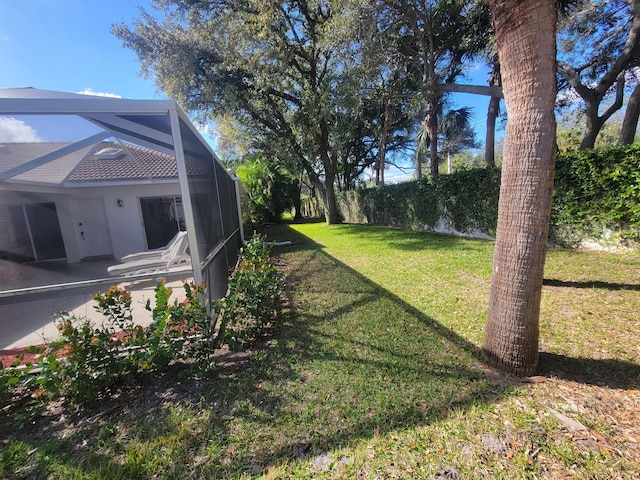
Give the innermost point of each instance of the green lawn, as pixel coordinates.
(374, 371)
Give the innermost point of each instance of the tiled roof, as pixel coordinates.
(54, 172)
(84, 165)
(15, 154)
(135, 163)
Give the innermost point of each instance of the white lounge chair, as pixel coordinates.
(155, 253)
(176, 255)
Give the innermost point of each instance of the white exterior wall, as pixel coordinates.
(125, 226)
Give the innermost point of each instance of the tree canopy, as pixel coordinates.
(292, 73)
(332, 88)
(599, 46)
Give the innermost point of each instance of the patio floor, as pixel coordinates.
(28, 319)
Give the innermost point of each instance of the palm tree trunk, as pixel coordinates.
(492, 115)
(432, 124)
(525, 37)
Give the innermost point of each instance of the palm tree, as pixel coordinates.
(525, 37)
(454, 129)
(457, 133)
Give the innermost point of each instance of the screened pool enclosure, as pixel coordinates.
(96, 191)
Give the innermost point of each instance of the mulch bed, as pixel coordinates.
(20, 354)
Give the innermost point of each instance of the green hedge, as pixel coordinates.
(466, 200)
(596, 197)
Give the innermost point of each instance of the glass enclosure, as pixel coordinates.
(100, 191)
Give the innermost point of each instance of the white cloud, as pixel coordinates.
(88, 91)
(13, 130)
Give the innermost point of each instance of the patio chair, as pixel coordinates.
(176, 255)
(156, 253)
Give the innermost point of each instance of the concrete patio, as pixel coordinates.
(28, 319)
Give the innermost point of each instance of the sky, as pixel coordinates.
(67, 46)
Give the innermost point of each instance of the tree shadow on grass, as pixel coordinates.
(347, 361)
(456, 367)
(368, 362)
(410, 240)
(608, 372)
(598, 284)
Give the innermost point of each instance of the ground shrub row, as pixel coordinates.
(596, 196)
(465, 200)
(89, 360)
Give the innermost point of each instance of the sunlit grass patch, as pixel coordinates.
(373, 371)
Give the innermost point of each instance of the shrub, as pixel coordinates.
(269, 188)
(595, 191)
(596, 196)
(98, 358)
(88, 360)
(466, 199)
(252, 298)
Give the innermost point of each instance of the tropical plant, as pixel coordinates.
(269, 189)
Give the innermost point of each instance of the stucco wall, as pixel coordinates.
(126, 227)
(124, 224)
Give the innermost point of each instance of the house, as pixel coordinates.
(107, 199)
(111, 177)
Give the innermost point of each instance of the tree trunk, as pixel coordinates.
(490, 138)
(330, 206)
(593, 125)
(492, 115)
(432, 123)
(490, 91)
(417, 160)
(525, 38)
(630, 122)
(384, 138)
(594, 122)
(297, 198)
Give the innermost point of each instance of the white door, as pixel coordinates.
(92, 228)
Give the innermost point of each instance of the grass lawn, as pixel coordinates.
(374, 371)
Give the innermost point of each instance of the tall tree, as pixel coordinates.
(526, 43)
(600, 42)
(289, 71)
(438, 39)
(395, 85)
